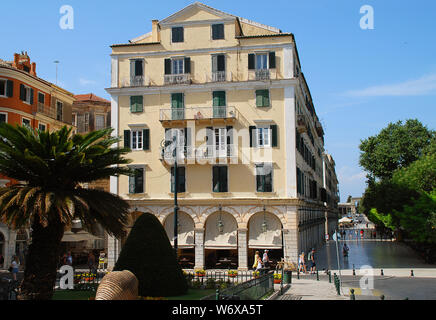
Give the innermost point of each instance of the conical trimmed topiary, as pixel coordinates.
(148, 254)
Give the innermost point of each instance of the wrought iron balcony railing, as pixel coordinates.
(198, 113)
(177, 78)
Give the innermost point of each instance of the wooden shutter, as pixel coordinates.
(259, 98)
(272, 60)
(132, 184)
(22, 93)
(167, 66)
(221, 63)
(251, 61)
(259, 178)
(187, 65)
(126, 138)
(139, 180)
(10, 88)
(219, 98)
(139, 68)
(252, 131)
(181, 179)
(223, 179)
(268, 178)
(215, 179)
(274, 135)
(146, 139)
(31, 96)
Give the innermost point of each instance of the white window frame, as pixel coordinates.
(6, 88)
(6, 114)
(173, 61)
(135, 145)
(138, 166)
(256, 67)
(43, 124)
(22, 122)
(270, 164)
(263, 129)
(28, 92)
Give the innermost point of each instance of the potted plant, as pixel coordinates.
(232, 273)
(200, 273)
(256, 274)
(277, 278)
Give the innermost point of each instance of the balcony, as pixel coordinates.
(218, 76)
(262, 74)
(177, 78)
(133, 81)
(198, 113)
(319, 129)
(48, 111)
(198, 154)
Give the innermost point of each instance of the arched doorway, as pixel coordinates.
(185, 238)
(265, 233)
(221, 241)
(21, 243)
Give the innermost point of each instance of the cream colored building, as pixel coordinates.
(250, 146)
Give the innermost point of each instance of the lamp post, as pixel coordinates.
(176, 208)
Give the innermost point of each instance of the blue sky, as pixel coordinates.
(360, 80)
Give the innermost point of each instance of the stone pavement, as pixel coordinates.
(308, 288)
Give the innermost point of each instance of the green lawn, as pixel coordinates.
(192, 294)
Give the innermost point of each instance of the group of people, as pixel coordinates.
(261, 263)
(302, 266)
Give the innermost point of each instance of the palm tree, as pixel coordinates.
(49, 169)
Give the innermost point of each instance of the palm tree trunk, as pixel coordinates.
(42, 260)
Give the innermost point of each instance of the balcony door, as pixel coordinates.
(220, 142)
(177, 106)
(219, 104)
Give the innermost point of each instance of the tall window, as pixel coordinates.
(136, 103)
(219, 180)
(177, 34)
(136, 182)
(137, 140)
(26, 122)
(42, 126)
(99, 121)
(59, 110)
(3, 117)
(41, 98)
(264, 177)
(6, 88)
(262, 98)
(263, 137)
(261, 61)
(181, 179)
(26, 94)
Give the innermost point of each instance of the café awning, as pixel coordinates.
(82, 235)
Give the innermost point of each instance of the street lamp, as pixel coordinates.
(220, 222)
(264, 224)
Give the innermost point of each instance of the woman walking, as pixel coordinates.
(15, 265)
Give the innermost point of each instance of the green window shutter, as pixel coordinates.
(146, 139)
(10, 89)
(223, 179)
(126, 138)
(262, 98)
(139, 180)
(187, 65)
(31, 96)
(221, 66)
(167, 66)
(219, 98)
(252, 132)
(274, 135)
(181, 173)
(251, 61)
(177, 100)
(272, 60)
(266, 98)
(136, 103)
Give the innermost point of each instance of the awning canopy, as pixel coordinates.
(345, 220)
(79, 236)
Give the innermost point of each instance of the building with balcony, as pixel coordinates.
(26, 99)
(226, 98)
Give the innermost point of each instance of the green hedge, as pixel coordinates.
(148, 254)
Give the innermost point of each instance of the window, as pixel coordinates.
(26, 94)
(181, 180)
(262, 98)
(177, 66)
(219, 67)
(42, 127)
(263, 137)
(99, 121)
(137, 140)
(261, 61)
(3, 117)
(219, 104)
(219, 182)
(264, 177)
(136, 67)
(26, 122)
(136, 103)
(73, 119)
(177, 34)
(41, 98)
(59, 110)
(136, 182)
(217, 31)
(177, 106)
(6, 88)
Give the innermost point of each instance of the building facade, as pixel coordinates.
(26, 99)
(226, 97)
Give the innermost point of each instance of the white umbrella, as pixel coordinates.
(345, 219)
(79, 236)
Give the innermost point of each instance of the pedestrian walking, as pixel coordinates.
(15, 265)
(265, 259)
(302, 263)
(101, 260)
(256, 260)
(311, 261)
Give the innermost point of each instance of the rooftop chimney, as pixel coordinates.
(155, 33)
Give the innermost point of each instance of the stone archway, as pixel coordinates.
(221, 240)
(265, 233)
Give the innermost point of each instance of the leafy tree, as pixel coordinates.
(148, 254)
(419, 175)
(395, 147)
(50, 168)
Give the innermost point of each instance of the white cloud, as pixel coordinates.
(86, 82)
(417, 87)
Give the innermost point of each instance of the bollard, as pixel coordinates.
(298, 274)
(354, 271)
(352, 296)
(381, 272)
(330, 276)
(317, 275)
(411, 273)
